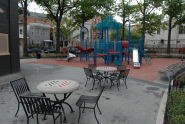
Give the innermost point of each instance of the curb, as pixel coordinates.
(162, 108)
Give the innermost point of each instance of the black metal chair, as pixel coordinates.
(93, 68)
(123, 74)
(21, 87)
(83, 100)
(40, 105)
(122, 67)
(89, 75)
(119, 68)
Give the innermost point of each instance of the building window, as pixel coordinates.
(181, 29)
(4, 44)
(20, 31)
(158, 31)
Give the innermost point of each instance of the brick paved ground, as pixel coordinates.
(146, 72)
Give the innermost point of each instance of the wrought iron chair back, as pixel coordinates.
(122, 67)
(92, 66)
(124, 73)
(36, 105)
(88, 72)
(99, 95)
(19, 87)
(39, 105)
(83, 100)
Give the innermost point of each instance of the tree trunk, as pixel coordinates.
(143, 21)
(123, 29)
(58, 36)
(169, 34)
(25, 27)
(83, 34)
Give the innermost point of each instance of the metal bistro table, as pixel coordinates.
(106, 70)
(55, 87)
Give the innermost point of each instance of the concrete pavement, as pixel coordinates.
(138, 104)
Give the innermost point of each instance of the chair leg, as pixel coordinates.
(118, 86)
(27, 120)
(60, 118)
(17, 109)
(79, 115)
(93, 84)
(44, 118)
(95, 116)
(99, 109)
(86, 82)
(125, 80)
(37, 119)
(111, 83)
(84, 108)
(53, 119)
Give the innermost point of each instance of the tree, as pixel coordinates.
(68, 28)
(133, 35)
(175, 10)
(124, 10)
(147, 16)
(83, 12)
(87, 9)
(24, 6)
(56, 9)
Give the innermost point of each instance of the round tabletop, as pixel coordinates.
(58, 86)
(106, 68)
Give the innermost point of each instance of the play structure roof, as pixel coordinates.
(109, 24)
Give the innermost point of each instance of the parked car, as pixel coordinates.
(52, 50)
(34, 50)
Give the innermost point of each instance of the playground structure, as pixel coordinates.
(111, 51)
(85, 47)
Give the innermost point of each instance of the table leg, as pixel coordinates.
(66, 96)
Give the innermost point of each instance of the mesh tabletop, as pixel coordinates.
(58, 86)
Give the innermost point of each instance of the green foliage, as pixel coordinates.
(56, 9)
(152, 23)
(125, 10)
(176, 102)
(83, 12)
(147, 16)
(68, 29)
(87, 9)
(134, 35)
(176, 10)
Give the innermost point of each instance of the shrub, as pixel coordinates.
(176, 107)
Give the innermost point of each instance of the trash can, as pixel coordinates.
(38, 55)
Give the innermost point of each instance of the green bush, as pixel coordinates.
(176, 109)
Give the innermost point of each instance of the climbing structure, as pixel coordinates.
(111, 51)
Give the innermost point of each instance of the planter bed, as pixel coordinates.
(175, 109)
